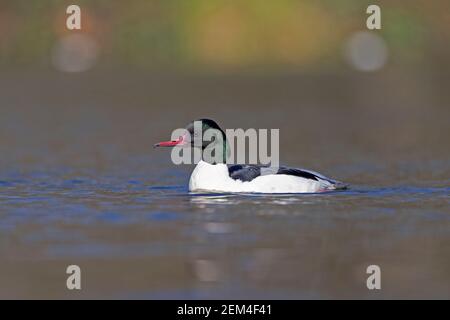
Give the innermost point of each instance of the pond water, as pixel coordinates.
(80, 184)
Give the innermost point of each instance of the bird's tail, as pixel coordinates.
(337, 185)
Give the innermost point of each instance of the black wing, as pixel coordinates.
(298, 173)
(250, 172)
(244, 172)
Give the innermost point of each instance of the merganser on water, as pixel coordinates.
(248, 178)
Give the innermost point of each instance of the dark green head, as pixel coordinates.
(206, 135)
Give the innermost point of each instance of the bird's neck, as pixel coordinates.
(223, 151)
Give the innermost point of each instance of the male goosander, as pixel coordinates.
(222, 177)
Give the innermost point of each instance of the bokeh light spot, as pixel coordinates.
(366, 51)
(75, 53)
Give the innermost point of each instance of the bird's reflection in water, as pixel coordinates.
(213, 198)
(254, 198)
(227, 218)
(213, 263)
(215, 227)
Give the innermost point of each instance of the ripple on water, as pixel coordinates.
(127, 220)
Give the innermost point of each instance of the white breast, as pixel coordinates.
(208, 177)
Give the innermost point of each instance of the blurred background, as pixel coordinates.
(222, 36)
(80, 183)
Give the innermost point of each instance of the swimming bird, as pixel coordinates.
(218, 176)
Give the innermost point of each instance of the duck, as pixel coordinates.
(214, 176)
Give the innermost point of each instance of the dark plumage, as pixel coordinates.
(250, 172)
(244, 172)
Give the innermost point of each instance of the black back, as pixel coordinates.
(250, 172)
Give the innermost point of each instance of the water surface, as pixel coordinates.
(80, 184)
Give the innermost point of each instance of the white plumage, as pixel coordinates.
(216, 178)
